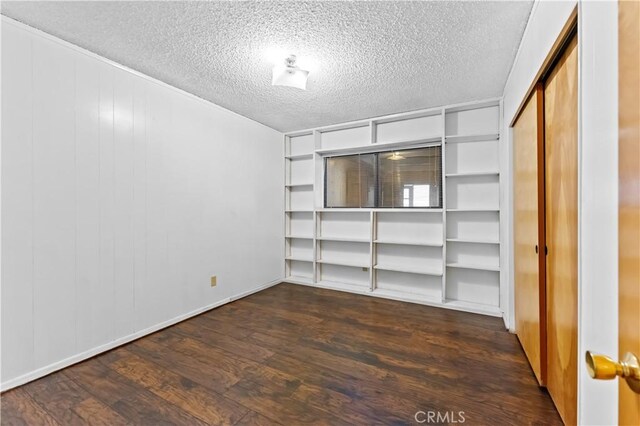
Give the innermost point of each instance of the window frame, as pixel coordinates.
(377, 176)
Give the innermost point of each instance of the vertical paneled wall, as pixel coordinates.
(121, 196)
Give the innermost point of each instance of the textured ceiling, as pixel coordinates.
(367, 58)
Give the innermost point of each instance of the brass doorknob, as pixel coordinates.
(604, 368)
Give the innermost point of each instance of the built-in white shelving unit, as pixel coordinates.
(299, 208)
(446, 257)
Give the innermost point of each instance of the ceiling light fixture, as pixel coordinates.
(289, 74)
(395, 156)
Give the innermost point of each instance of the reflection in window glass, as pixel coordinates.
(410, 178)
(351, 181)
(406, 199)
(405, 178)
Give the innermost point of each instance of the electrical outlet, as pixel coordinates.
(214, 281)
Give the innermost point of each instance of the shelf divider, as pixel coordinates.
(299, 258)
(463, 265)
(410, 243)
(299, 185)
(471, 241)
(344, 239)
(299, 157)
(485, 137)
(410, 269)
(299, 279)
(472, 174)
(472, 210)
(350, 263)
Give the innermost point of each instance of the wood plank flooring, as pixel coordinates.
(294, 355)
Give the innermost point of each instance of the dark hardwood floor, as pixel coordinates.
(292, 355)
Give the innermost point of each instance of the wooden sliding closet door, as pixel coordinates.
(528, 164)
(629, 199)
(561, 183)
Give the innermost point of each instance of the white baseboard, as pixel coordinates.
(59, 365)
(454, 306)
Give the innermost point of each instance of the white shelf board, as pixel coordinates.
(300, 237)
(405, 296)
(472, 174)
(344, 239)
(410, 242)
(472, 241)
(343, 126)
(433, 140)
(474, 266)
(437, 272)
(299, 258)
(382, 146)
(299, 157)
(472, 138)
(296, 133)
(472, 210)
(352, 263)
(298, 211)
(299, 185)
(299, 279)
(473, 307)
(380, 210)
(344, 210)
(351, 288)
(402, 116)
(408, 210)
(466, 106)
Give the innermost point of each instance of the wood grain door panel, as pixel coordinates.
(528, 161)
(629, 198)
(561, 199)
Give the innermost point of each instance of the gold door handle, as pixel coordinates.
(604, 368)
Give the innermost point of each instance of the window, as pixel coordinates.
(394, 179)
(351, 181)
(410, 178)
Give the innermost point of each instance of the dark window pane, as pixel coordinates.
(410, 178)
(351, 181)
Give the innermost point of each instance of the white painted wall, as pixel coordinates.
(598, 220)
(121, 196)
(598, 179)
